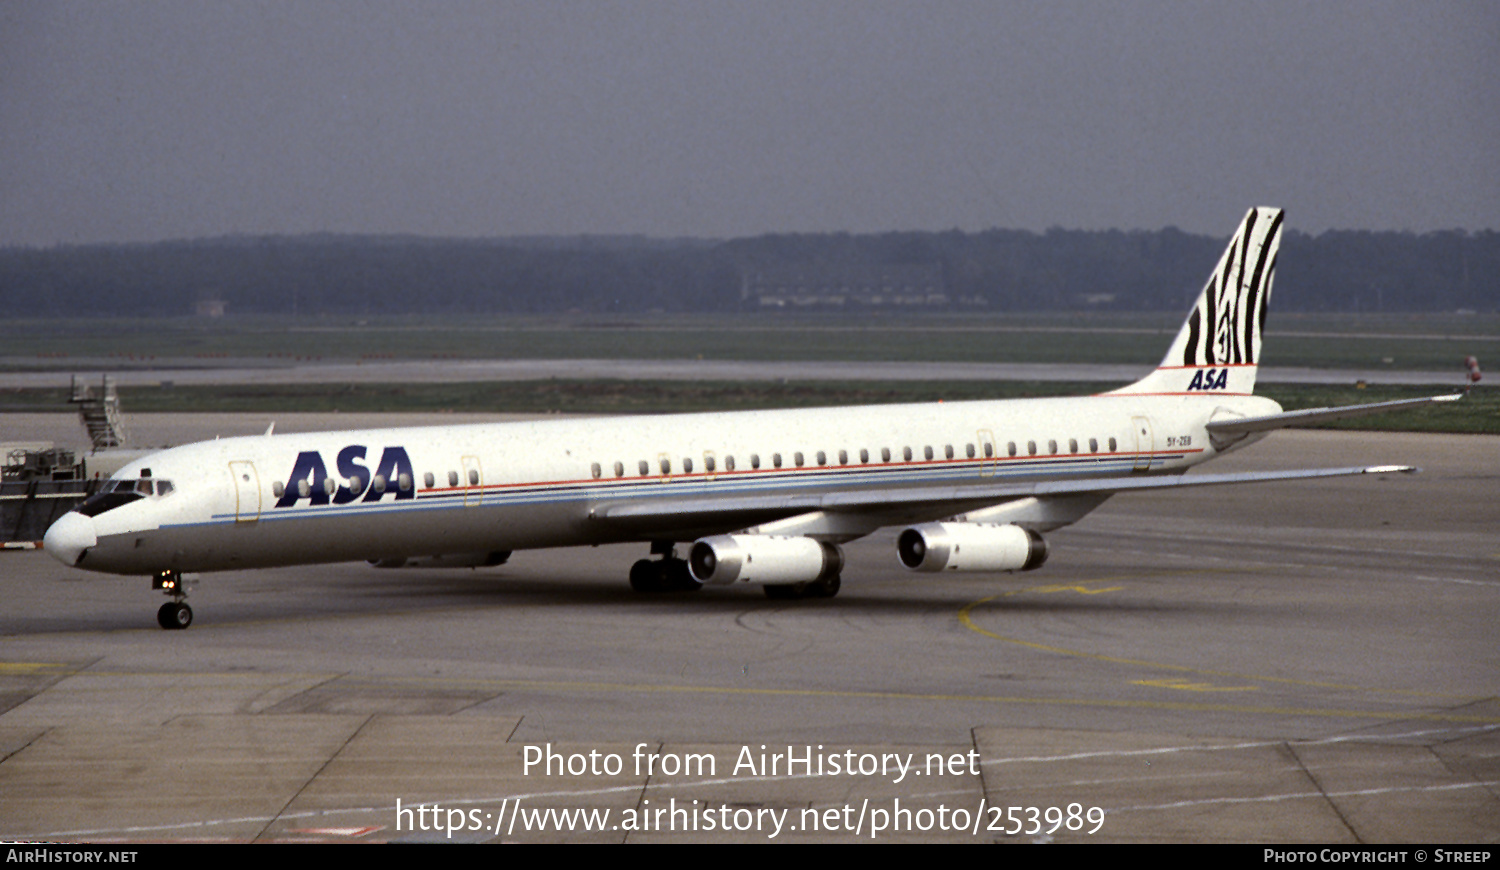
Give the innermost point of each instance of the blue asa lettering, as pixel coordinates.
(308, 467)
(393, 464)
(1209, 380)
(357, 475)
(394, 467)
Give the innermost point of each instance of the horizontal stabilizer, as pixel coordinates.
(1247, 425)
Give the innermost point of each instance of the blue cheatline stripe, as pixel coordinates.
(503, 495)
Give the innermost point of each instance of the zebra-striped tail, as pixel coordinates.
(1218, 347)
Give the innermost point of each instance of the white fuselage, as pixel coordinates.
(305, 498)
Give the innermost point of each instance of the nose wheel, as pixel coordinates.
(175, 613)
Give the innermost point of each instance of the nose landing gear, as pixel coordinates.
(175, 613)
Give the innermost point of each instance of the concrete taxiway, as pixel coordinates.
(1302, 661)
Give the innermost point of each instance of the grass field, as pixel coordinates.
(1320, 341)
(1398, 342)
(1478, 413)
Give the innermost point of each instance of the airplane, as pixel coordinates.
(761, 497)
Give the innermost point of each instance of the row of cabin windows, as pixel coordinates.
(643, 468)
(379, 483)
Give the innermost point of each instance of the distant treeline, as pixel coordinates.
(995, 270)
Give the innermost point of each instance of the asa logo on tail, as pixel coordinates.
(1208, 380)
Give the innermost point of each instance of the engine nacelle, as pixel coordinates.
(481, 559)
(970, 547)
(725, 559)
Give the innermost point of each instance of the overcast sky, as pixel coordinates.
(140, 121)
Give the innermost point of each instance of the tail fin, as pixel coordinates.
(1218, 348)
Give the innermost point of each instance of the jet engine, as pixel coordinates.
(970, 547)
(725, 559)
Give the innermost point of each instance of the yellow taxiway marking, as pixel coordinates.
(965, 617)
(1190, 686)
(1075, 587)
(30, 667)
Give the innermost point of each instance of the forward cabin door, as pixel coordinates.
(246, 491)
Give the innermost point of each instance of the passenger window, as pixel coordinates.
(885, 454)
(729, 463)
(776, 459)
(906, 453)
(755, 460)
(927, 452)
(473, 477)
(708, 463)
(379, 482)
(1093, 445)
(822, 458)
(453, 478)
(969, 450)
(989, 450)
(1031, 448)
(1010, 448)
(1112, 447)
(403, 482)
(645, 468)
(596, 470)
(797, 458)
(1072, 445)
(277, 489)
(864, 455)
(948, 451)
(843, 457)
(1052, 446)
(687, 465)
(619, 469)
(666, 466)
(427, 481)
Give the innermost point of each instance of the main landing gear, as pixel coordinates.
(825, 588)
(671, 574)
(175, 613)
(667, 574)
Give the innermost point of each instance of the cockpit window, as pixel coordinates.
(115, 493)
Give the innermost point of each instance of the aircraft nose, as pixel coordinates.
(70, 537)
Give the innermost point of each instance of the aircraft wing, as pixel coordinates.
(890, 506)
(1246, 425)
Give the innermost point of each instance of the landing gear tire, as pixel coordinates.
(645, 576)
(662, 575)
(174, 615)
(825, 588)
(679, 578)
